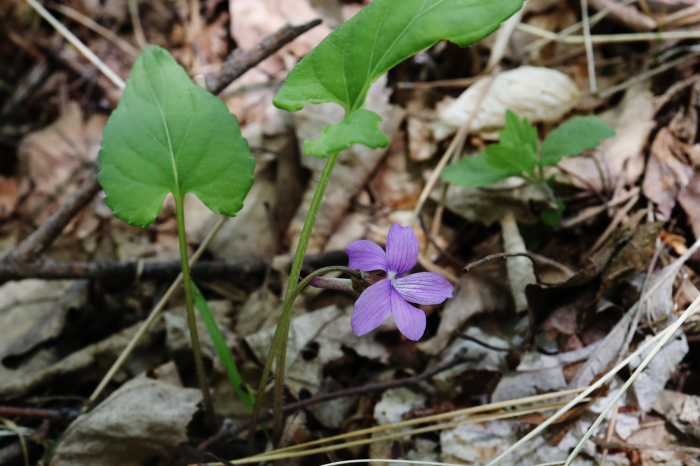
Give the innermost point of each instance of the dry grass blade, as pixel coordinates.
(70, 37)
(610, 38)
(23, 443)
(425, 463)
(448, 425)
(95, 26)
(432, 418)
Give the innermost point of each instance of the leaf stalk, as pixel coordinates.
(191, 319)
(278, 347)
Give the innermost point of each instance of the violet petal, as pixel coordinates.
(410, 320)
(366, 256)
(424, 288)
(372, 308)
(401, 249)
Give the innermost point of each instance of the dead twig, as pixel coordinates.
(60, 270)
(637, 446)
(44, 236)
(503, 256)
(63, 415)
(239, 61)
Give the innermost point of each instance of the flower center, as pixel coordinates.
(391, 275)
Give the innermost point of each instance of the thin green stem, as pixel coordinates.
(283, 326)
(191, 319)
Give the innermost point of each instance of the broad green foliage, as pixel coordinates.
(572, 137)
(168, 135)
(346, 63)
(361, 126)
(516, 154)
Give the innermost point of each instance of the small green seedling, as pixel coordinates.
(518, 153)
(168, 135)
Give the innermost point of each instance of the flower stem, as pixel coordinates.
(191, 319)
(280, 338)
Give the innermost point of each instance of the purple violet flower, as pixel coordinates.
(390, 296)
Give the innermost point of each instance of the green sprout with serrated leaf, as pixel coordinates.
(518, 153)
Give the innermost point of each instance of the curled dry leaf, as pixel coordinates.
(143, 420)
(681, 410)
(651, 382)
(489, 206)
(50, 157)
(666, 174)
(474, 294)
(621, 155)
(537, 93)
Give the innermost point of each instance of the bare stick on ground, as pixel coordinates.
(238, 62)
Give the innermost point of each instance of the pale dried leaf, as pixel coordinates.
(666, 175)
(538, 93)
(50, 157)
(144, 419)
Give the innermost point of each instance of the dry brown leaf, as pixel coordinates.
(143, 420)
(50, 157)
(9, 196)
(666, 174)
(393, 185)
(651, 382)
(475, 294)
(681, 410)
(689, 199)
(632, 120)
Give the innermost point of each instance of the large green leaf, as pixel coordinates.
(346, 63)
(384, 33)
(571, 137)
(168, 135)
(475, 172)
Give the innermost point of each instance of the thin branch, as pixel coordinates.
(60, 270)
(62, 415)
(503, 256)
(637, 446)
(44, 236)
(361, 390)
(238, 62)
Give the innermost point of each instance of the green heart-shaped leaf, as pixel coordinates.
(168, 135)
(384, 33)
